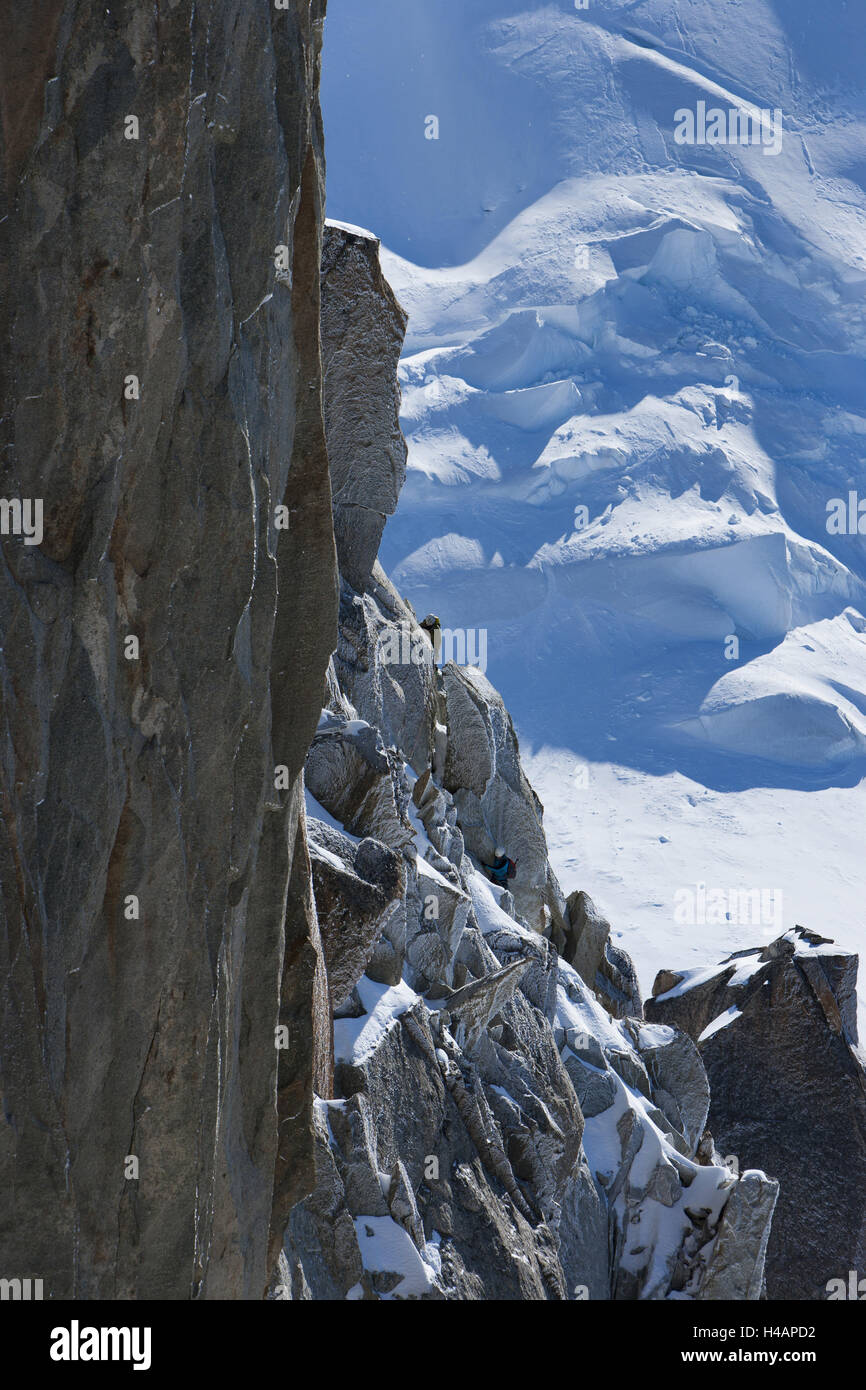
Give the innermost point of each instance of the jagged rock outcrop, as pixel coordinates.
(777, 1031)
(494, 1132)
(607, 970)
(164, 647)
(734, 1273)
(358, 888)
(522, 1153)
(351, 773)
(363, 328)
(384, 667)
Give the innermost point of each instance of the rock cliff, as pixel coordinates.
(164, 647)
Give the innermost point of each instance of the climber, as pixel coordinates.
(433, 628)
(502, 868)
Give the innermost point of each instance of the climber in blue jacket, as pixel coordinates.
(502, 868)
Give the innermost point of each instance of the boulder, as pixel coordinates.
(679, 1080)
(351, 774)
(776, 1030)
(606, 968)
(358, 896)
(443, 911)
(509, 942)
(471, 1008)
(384, 667)
(735, 1271)
(438, 815)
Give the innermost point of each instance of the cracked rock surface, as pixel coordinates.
(156, 923)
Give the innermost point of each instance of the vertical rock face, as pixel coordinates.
(777, 1032)
(362, 337)
(161, 399)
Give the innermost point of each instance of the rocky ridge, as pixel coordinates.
(502, 1125)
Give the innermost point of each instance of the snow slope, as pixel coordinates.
(634, 384)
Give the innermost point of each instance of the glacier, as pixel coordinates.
(634, 393)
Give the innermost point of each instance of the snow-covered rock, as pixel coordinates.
(349, 771)
(495, 803)
(776, 1028)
